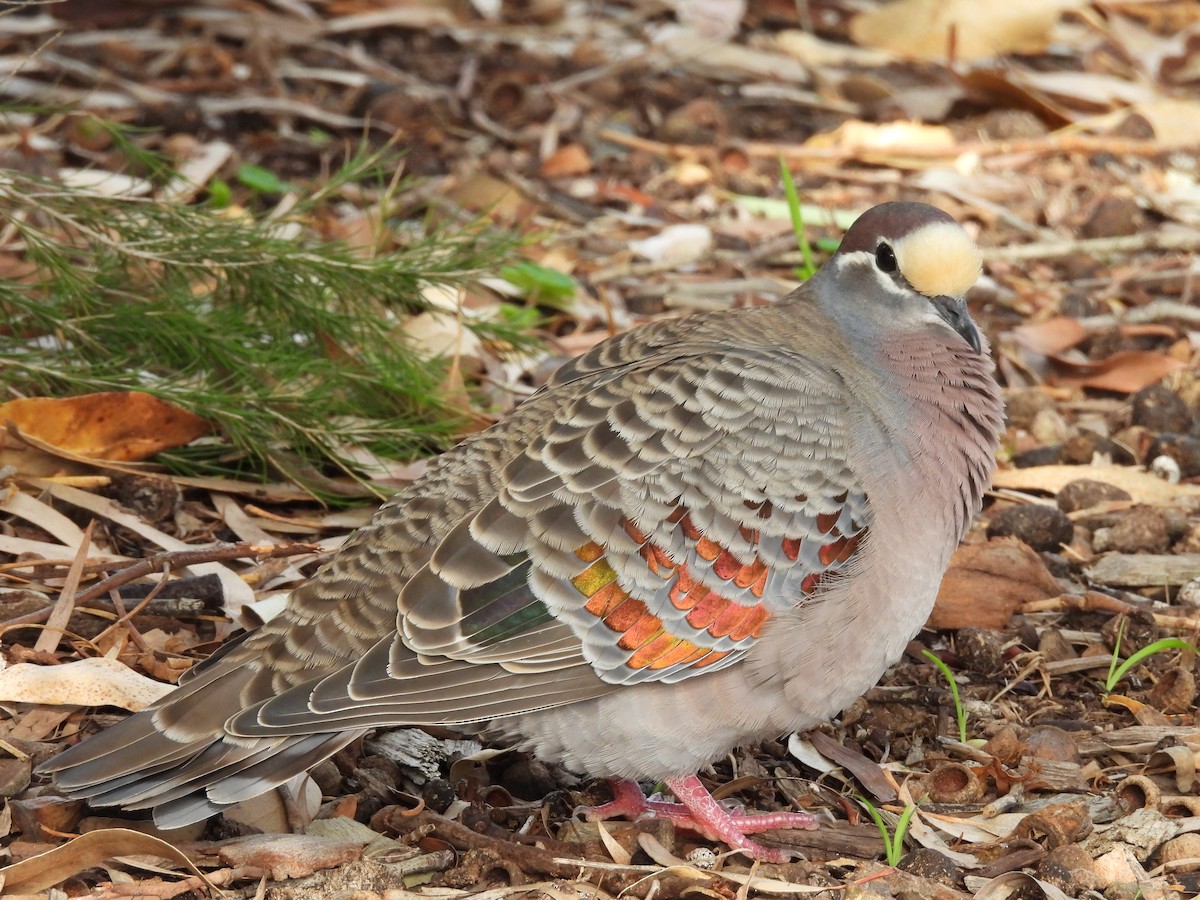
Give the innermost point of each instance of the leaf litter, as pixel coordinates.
(1062, 134)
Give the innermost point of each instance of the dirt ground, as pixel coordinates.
(641, 144)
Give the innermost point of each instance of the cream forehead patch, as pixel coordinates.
(938, 260)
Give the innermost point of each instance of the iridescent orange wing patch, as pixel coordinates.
(714, 618)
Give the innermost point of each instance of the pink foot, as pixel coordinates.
(697, 811)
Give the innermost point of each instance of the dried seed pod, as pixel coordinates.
(1006, 745)
(1137, 792)
(953, 782)
(1179, 807)
(1056, 825)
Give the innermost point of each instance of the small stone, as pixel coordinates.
(1186, 846)
(1165, 469)
(1039, 456)
(1069, 868)
(1141, 530)
(1086, 493)
(1190, 542)
(1049, 742)
(1189, 594)
(1041, 527)
(926, 862)
(1023, 406)
(1114, 217)
(1049, 427)
(1160, 409)
(1086, 446)
(1079, 304)
(528, 778)
(981, 650)
(1183, 449)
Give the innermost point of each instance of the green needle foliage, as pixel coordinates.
(796, 214)
(893, 841)
(1118, 669)
(960, 711)
(292, 346)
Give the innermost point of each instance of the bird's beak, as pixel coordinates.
(953, 311)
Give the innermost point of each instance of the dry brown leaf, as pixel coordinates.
(113, 425)
(1140, 486)
(571, 159)
(1125, 373)
(1050, 336)
(889, 143)
(54, 866)
(288, 855)
(987, 583)
(922, 29)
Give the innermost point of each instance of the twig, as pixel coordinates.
(1155, 311)
(180, 558)
(1106, 246)
(172, 559)
(799, 152)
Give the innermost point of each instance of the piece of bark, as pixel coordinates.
(1145, 569)
(987, 583)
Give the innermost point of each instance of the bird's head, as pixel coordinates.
(902, 265)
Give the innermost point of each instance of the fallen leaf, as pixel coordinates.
(1126, 372)
(923, 29)
(675, 244)
(85, 682)
(570, 159)
(122, 426)
(86, 851)
(1050, 336)
(288, 855)
(987, 583)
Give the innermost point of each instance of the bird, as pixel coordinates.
(700, 533)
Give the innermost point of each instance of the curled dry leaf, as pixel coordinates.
(1052, 335)
(900, 144)
(54, 866)
(987, 583)
(965, 29)
(113, 425)
(1126, 372)
(86, 682)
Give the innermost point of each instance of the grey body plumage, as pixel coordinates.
(701, 532)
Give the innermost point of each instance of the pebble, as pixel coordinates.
(1183, 449)
(1023, 406)
(1084, 493)
(1141, 530)
(1041, 527)
(1038, 456)
(926, 862)
(1186, 846)
(1114, 217)
(1160, 409)
(1049, 427)
(1085, 446)
(1049, 742)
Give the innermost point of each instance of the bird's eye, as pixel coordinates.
(885, 258)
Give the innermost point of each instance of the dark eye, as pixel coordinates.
(885, 258)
